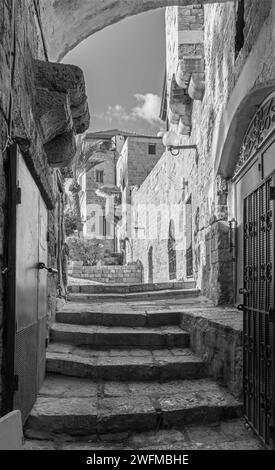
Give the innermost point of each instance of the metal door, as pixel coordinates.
(30, 287)
(259, 308)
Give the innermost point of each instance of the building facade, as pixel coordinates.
(100, 195)
(138, 157)
(212, 53)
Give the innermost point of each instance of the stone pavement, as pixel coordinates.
(229, 435)
(118, 370)
(74, 281)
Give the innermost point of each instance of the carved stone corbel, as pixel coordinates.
(53, 113)
(61, 109)
(185, 122)
(173, 118)
(190, 76)
(61, 150)
(197, 86)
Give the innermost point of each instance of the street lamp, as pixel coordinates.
(172, 142)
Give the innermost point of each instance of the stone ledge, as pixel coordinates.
(216, 336)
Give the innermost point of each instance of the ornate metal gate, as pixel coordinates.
(259, 309)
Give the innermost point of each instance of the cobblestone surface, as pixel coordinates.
(65, 405)
(231, 435)
(197, 307)
(74, 281)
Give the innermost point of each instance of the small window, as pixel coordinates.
(240, 25)
(99, 176)
(152, 149)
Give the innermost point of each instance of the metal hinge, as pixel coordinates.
(16, 383)
(18, 195)
(272, 193)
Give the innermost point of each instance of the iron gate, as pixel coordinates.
(259, 310)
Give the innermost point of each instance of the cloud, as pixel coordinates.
(114, 112)
(148, 108)
(117, 112)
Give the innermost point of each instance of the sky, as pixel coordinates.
(124, 67)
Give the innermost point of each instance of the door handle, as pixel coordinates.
(50, 270)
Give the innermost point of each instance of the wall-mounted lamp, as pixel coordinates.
(173, 142)
(175, 149)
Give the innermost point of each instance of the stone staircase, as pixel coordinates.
(110, 370)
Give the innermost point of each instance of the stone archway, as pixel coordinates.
(236, 118)
(67, 23)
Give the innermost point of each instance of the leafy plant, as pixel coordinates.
(87, 251)
(71, 222)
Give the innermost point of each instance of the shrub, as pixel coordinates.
(84, 250)
(71, 222)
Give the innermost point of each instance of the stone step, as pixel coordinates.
(83, 407)
(154, 295)
(124, 365)
(102, 337)
(128, 288)
(85, 314)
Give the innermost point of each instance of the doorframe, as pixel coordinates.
(10, 284)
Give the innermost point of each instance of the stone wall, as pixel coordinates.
(28, 44)
(140, 162)
(42, 121)
(175, 178)
(216, 336)
(127, 274)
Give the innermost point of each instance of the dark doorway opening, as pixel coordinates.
(172, 256)
(189, 238)
(150, 266)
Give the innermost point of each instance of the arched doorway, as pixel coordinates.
(172, 257)
(150, 266)
(254, 181)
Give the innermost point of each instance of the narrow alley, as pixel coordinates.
(137, 227)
